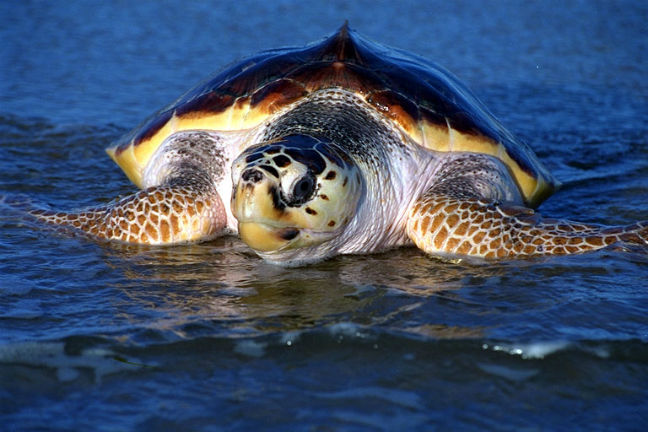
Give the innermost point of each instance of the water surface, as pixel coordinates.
(208, 337)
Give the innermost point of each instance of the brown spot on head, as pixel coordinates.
(330, 175)
(270, 170)
(331, 223)
(324, 197)
(310, 211)
(281, 161)
(288, 233)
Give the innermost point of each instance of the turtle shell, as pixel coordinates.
(423, 99)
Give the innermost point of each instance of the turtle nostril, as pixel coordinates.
(252, 175)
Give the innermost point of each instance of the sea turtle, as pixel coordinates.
(342, 146)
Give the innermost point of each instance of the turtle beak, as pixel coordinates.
(266, 238)
(263, 223)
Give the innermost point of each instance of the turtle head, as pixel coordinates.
(292, 195)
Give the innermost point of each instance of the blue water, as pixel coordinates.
(208, 337)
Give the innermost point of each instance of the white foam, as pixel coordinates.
(52, 355)
(534, 350)
(290, 337)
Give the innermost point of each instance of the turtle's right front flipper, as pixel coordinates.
(158, 215)
(181, 202)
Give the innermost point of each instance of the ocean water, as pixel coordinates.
(208, 337)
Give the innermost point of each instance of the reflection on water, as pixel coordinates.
(222, 284)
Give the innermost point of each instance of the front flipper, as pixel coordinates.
(461, 216)
(181, 204)
(446, 226)
(158, 215)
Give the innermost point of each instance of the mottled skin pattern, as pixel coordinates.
(157, 215)
(182, 205)
(470, 211)
(455, 227)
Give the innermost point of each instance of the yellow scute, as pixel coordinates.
(134, 158)
(446, 139)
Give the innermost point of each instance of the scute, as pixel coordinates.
(424, 100)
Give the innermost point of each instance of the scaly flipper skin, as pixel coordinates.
(455, 218)
(157, 215)
(460, 227)
(181, 204)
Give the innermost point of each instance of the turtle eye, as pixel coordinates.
(302, 190)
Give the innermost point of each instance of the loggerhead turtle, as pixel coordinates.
(342, 146)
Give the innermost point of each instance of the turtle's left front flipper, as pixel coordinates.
(461, 217)
(455, 227)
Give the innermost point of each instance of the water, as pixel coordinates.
(208, 337)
